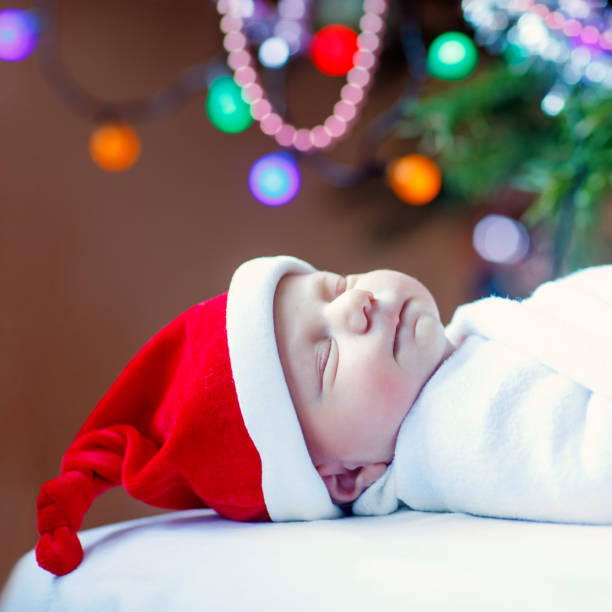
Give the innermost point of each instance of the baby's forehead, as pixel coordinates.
(313, 283)
(353, 273)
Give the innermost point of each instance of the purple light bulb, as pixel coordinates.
(18, 34)
(274, 179)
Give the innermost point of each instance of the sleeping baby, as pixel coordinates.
(299, 392)
(505, 413)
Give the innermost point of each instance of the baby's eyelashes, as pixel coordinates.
(350, 279)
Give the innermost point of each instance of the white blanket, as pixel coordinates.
(517, 423)
(426, 562)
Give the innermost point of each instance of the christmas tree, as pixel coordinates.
(535, 116)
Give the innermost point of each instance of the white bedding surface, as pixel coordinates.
(195, 560)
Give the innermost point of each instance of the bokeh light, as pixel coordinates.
(415, 179)
(114, 146)
(500, 239)
(333, 49)
(18, 34)
(452, 56)
(274, 179)
(273, 52)
(554, 101)
(225, 106)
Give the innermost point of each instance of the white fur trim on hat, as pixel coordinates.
(292, 487)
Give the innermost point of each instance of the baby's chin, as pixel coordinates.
(431, 340)
(426, 331)
(420, 339)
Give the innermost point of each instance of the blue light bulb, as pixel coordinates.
(18, 34)
(274, 179)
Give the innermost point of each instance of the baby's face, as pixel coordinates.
(356, 352)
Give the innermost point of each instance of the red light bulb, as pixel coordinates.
(333, 49)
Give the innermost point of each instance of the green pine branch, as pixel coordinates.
(489, 132)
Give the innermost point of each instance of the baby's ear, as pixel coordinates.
(346, 485)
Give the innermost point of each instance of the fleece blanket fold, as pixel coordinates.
(517, 422)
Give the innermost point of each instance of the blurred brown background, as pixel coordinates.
(92, 264)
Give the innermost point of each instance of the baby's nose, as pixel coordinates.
(357, 309)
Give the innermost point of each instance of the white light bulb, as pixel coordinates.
(274, 52)
(580, 57)
(533, 34)
(552, 103)
(499, 239)
(596, 72)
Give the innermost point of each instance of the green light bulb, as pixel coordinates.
(226, 107)
(452, 56)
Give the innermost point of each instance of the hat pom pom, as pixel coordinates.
(62, 504)
(59, 552)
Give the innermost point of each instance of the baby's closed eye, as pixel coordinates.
(340, 286)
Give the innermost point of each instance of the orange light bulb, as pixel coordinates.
(114, 146)
(415, 179)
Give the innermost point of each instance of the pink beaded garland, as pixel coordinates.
(352, 94)
(589, 35)
(378, 7)
(301, 140)
(270, 124)
(541, 10)
(320, 137)
(234, 41)
(236, 59)
(345, 110)
(285, 135)
(358, 77)
(335, 126)
(371, 23)
(260, 109)
(556, 20)
(253, 91)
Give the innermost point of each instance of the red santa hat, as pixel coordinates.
(201, 417)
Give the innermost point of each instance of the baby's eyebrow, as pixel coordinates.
(322, 286)
(329, 282)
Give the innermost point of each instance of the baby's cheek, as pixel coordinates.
(392, 391)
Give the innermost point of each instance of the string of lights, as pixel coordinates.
(336, 50)
(243, 84)
(572, 37)
(236, 98)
